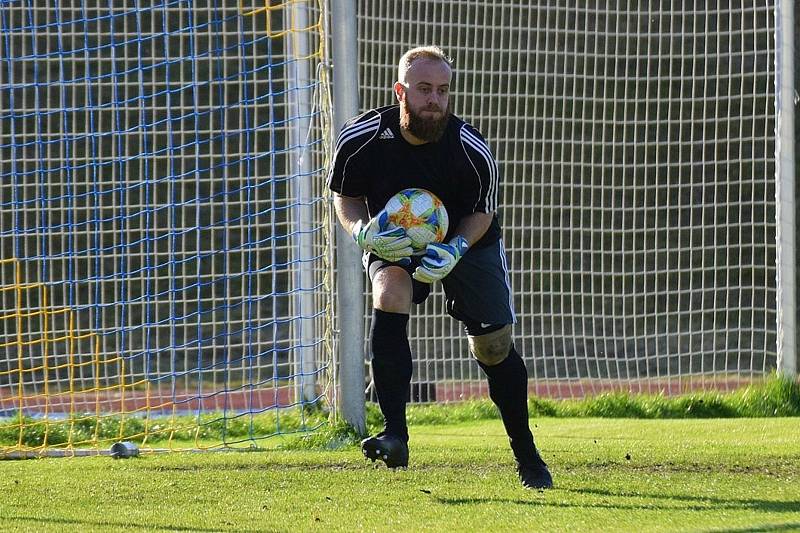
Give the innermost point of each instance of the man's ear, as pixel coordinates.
(399, 91)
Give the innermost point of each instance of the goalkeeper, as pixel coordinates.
(420, 143)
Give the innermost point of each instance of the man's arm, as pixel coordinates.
(472, 227)
(349, 211)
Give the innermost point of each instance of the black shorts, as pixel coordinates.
(477, 291)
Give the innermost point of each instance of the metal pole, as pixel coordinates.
(785, 189)
(301, 99)
(349, 274)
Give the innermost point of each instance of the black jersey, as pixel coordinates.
(373, 161)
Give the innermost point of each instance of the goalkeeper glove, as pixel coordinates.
(440, 258)
(389, 244)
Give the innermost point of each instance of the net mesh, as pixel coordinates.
(637, 156)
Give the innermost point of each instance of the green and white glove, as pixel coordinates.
(390, 244)
(440, 258)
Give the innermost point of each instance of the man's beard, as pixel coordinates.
(425, 129)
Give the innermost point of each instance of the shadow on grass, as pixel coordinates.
(788, 526)
(670, 502)
(767, 506)
(80, 525)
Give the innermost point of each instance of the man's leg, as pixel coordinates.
(479, 295)
(391, 363)
(391, 368)
(508, 388)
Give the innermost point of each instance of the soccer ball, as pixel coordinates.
(421, 213)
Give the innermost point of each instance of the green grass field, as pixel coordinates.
(737, 474)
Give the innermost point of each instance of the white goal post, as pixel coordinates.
(786, 99)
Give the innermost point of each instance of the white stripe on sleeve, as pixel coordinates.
(476, 143)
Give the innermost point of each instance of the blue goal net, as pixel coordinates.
(164, 237)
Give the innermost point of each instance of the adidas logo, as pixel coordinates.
(386, 134)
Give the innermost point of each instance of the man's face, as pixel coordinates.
(425, 99)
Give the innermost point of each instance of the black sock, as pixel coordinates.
(391, 368)
(508, 389)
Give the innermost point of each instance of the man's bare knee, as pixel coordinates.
(391, 290)
(492, 348)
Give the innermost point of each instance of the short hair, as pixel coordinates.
(420, 52)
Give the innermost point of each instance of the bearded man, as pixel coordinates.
(420, 143)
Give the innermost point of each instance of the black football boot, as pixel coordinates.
(390, 449)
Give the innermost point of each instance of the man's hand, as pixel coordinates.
(389, 244)
(440, 258)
